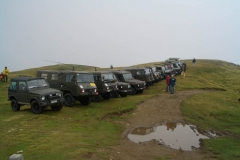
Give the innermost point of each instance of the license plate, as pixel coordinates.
(125, 90)
(54, 101)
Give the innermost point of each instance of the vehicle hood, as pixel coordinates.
(44, 91)
(134, 81)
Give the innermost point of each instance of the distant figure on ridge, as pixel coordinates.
(111, 67)
(194, 61)
(5, 72)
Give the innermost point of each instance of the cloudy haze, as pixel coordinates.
(122, 33)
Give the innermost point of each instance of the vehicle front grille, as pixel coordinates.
(53, 97)
(141, 85)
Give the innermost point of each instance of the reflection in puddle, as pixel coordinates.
(172, 134)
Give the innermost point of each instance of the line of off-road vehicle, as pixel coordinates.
(54, 87)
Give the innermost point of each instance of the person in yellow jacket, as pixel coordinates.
(5, 72)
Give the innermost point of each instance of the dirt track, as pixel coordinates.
(153, 112)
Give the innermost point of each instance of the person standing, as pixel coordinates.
(172, 82)
(194, 61)
(183, 71)
(167, 83)
(5, 72)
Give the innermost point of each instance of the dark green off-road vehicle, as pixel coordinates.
(143, 74)
(106, 85)
(34, 91)
(74, 85)
(137, 86)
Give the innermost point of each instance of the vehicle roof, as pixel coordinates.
(139, 68)
(102, 72)
(24, 78)
(173, 58)
(121, 72)
(64, 71)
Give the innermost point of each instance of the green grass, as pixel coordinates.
(80, 132)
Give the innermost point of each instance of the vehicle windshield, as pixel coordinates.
(37, 83)
(160, 68)
(127, 76)
(168, 66)
(85, 78)
(109, 77)
(154, 69)
(147, 71)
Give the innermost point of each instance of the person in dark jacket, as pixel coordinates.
(167, 83)
(172, 82)
(183, 71)
(194, 61)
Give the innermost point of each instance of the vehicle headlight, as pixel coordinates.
(105, 84)
(59, 94)
(81, 86)
(43, 98)
(129, 86)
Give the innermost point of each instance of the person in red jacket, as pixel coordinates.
(167, 83)
(1, 76)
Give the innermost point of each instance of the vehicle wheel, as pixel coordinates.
(147, 85)
(114, 94)
(96, 98)
(123, 95)
(15, 106)
(85, 101)
(140, 91)
(69, 100)
(36, 108)
(106, 96)
(57, 107)
(133, 91)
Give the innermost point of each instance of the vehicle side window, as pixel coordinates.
(70, 78)
(13, 85)
(44, 75)
(97, 78)
(22, 85)
(54, 76)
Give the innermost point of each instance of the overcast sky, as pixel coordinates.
(118, 32)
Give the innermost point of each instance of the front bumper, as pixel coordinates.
(51, 102)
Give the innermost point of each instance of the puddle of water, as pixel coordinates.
(172, 134)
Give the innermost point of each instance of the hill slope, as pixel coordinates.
(86, 132)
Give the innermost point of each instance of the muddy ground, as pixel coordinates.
(154, 112)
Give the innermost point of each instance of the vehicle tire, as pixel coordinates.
(85, 101)
(123, 95)
(15, 106)
(114, 94)
(96, 98)
(36, 108)
(106, 96)
(140, 91)
(69, 100)
(147, 84)
(133, 91)
(57, 107)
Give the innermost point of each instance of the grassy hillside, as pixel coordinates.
(82, 131)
